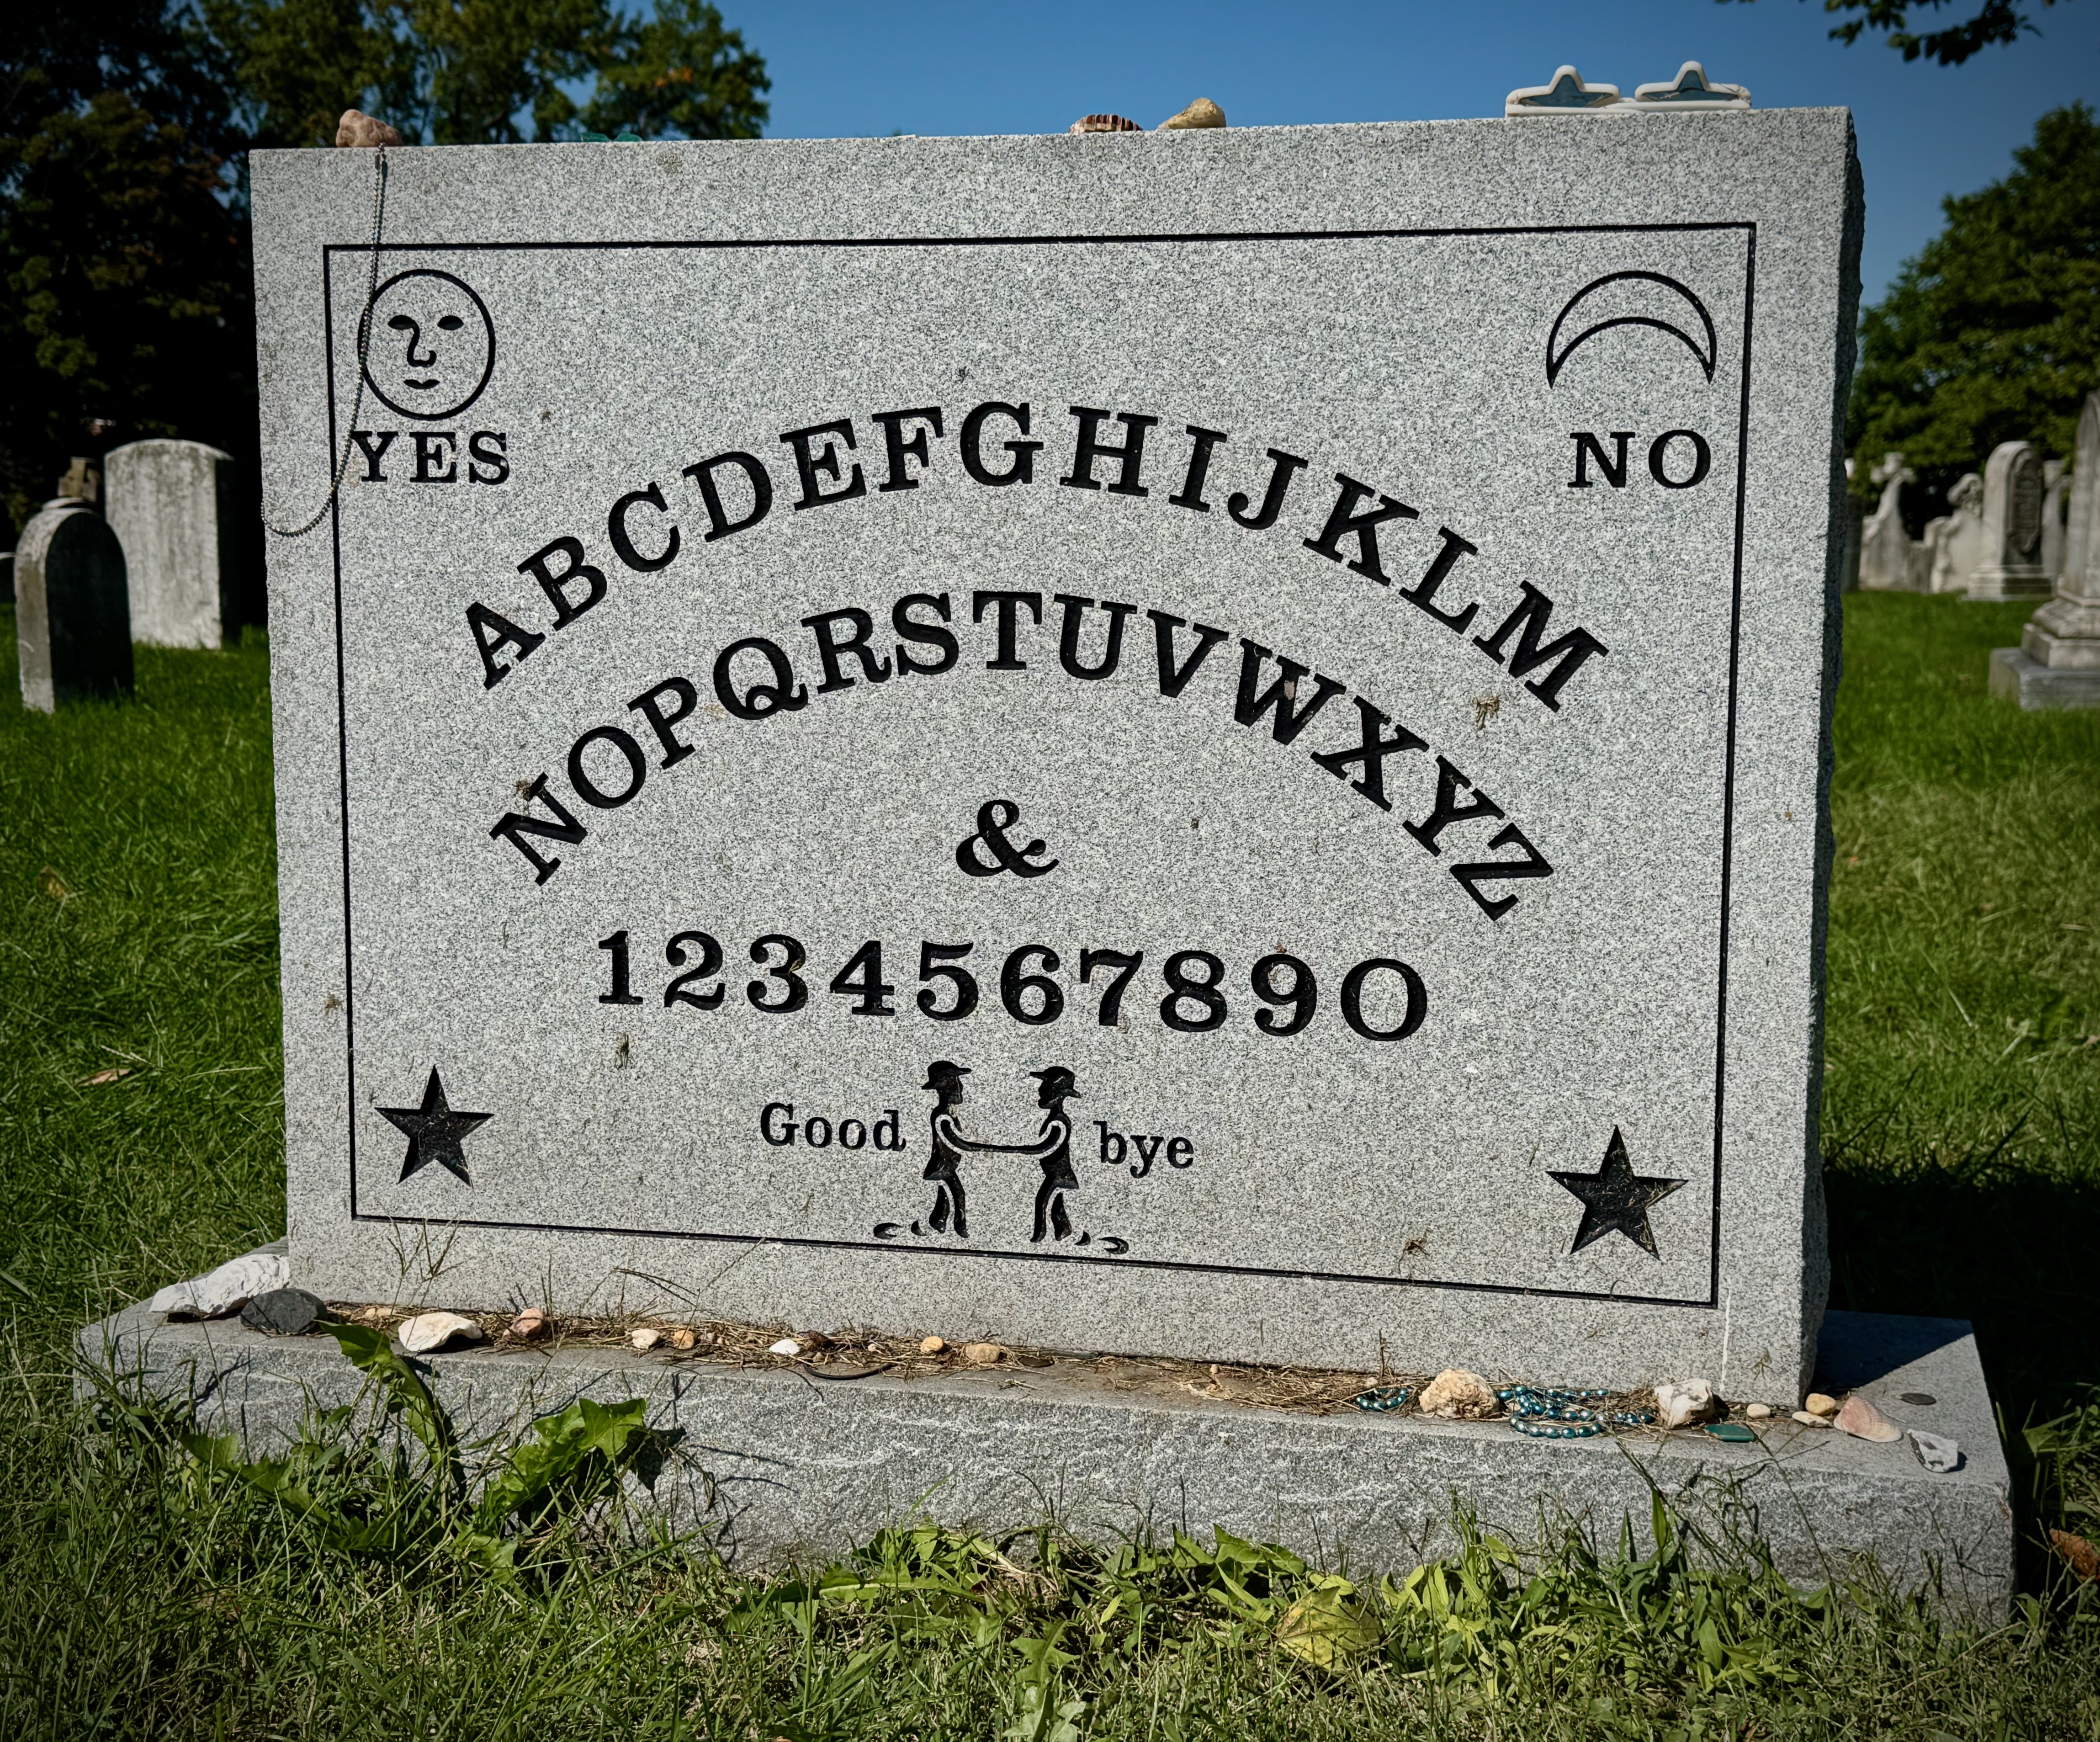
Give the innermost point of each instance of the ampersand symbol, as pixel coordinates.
(995, 818)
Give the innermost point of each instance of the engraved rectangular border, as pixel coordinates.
(1749, 230)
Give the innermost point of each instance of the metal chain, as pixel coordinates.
(363, 347)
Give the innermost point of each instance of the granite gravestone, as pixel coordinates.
(2058, 662)
(1200, 742)
(171, 506)
(72, 623)
(2012, 566)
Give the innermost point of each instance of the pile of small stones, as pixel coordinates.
(1456, 1393)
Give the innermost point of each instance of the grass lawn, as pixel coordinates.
(145, 1594)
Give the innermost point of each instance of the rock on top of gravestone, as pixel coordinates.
(285, 1312)
(73, 619)
(1202, 112)
(356, 128)
(171, 506)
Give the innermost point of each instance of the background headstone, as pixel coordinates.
(72, 622)
(2054, 479)
(1954, 542)
(1854, 531)
(1887, 559)
(2012, 537)
(2058, 662)
(171, 506)
(960, 949)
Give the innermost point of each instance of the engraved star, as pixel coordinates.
(434, 1130)
(1615, 1199)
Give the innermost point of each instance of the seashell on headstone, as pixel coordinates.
(226, 1289)
(73, 619)
(1105, 124)
(428, 1332)
(1862, 1421)
(171, 507)
(1936, 1452)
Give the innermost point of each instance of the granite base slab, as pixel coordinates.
(779, 1466)
(2017, 676)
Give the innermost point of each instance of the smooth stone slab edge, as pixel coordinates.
(780, 1467)
(2017, 676)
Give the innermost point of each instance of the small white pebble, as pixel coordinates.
(645, 1337)
(1758, 1412)
(1807, 1420)
(931, 1346)
(786, 1345)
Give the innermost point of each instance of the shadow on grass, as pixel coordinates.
(1976, 1232)
(2004, 1240)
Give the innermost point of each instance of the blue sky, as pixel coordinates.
(849, 67)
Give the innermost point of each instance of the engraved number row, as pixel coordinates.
(1195, 1002)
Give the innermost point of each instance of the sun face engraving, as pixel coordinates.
(431, 346)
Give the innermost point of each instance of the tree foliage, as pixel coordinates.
(126, 306)
(123, 125)
(1994, 22)
(1992, 333)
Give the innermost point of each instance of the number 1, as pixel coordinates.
(621, 994)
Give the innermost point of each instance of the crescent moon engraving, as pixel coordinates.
(1558, 352)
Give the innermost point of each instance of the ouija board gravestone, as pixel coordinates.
(1203, 744)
